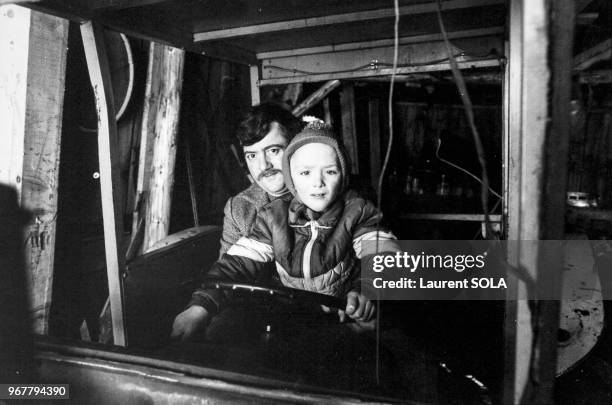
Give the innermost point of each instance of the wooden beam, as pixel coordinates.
(150, 25)
(110, 178)
(374, 127)
(538, 100)
(32, 86)
(516, 347)
(327, 112)
(369, 61)
(561, 19)
(524, 224)
(355, 17)
(598, 53)
(73, 10)
(482, 63)
(163, 99)
(481, 32)
(506, 164)
(119, 4)
(254, 75)
(451, 217)
(43, 130)
(445, 105)
(596, 76)
(315, 97)
(349, 130)
(145, 154)
(5, 2)
(224, 51)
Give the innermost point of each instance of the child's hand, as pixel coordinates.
(189, 323)
(358, 307)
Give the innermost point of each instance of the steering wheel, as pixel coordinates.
(283, 292)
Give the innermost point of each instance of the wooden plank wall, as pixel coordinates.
(36, 100)
(349, 135)
(160, 126)
(44, 103)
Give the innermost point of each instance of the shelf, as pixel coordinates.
(451, 217)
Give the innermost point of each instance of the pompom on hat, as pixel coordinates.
(316, 132)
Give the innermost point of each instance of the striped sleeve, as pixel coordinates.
(245, 261)
(252, 249)
(368, 230)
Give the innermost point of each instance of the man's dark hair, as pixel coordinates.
(258, 122)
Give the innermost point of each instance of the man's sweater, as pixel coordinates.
(240, 212)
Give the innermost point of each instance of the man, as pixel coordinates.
(263, 135)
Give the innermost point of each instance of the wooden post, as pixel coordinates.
(110, 176)
(538, 134)
(162, 104)
(347, 106)
(374, 126)
(517, 346)
(598, 53)
(315, 97)
(33, 74)
(561, 15)
(255, 97)
(327, 112)
(43, 129)
(145, 154)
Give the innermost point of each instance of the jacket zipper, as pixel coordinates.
(314, 232)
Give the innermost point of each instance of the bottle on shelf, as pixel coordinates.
(443, 188)
(416, 186)
(408, 184)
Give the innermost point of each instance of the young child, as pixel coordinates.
(314, 240)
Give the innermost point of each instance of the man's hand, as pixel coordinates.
(189, 323)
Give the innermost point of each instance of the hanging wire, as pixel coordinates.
(496, 194)
(384, 166)
(469, 111)
(390, 105)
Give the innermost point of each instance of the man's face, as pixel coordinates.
(316, 175)
(265, 160)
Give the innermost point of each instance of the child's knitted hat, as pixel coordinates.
(316, 132)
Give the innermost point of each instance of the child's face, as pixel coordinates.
(316, 175)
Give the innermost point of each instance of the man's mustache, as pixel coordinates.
(268, 172)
